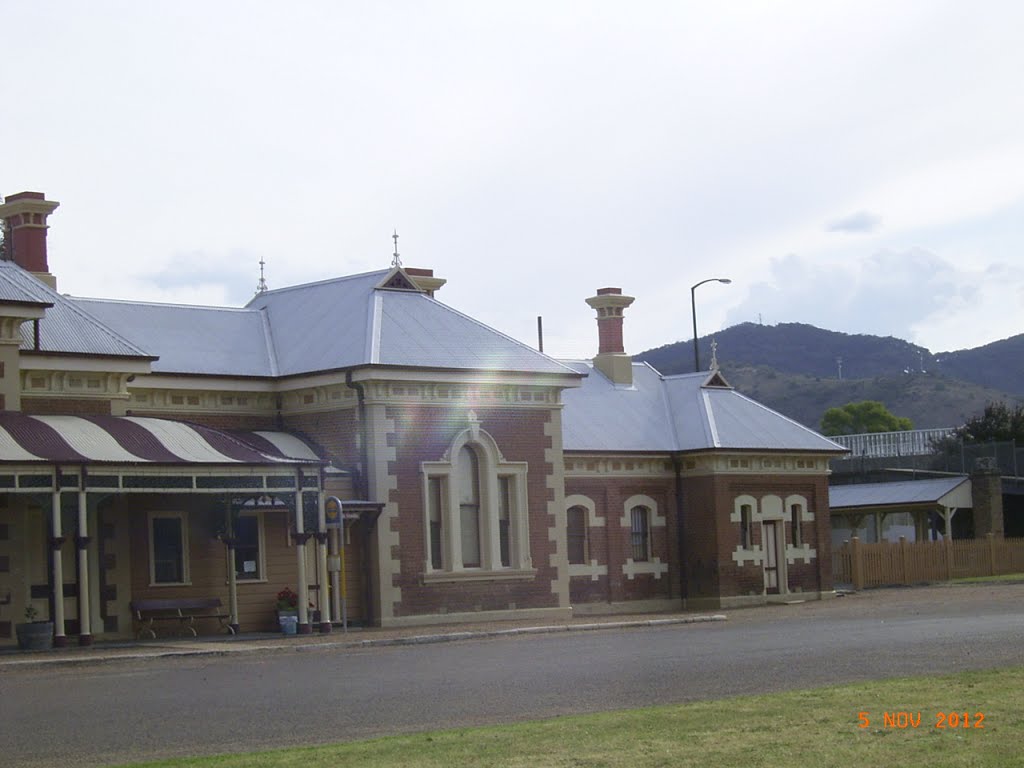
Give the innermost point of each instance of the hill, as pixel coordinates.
(795, 368)
(928, 400)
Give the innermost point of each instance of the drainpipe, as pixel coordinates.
(677, 466)
(363, 490)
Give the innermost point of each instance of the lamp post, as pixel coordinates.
(693, 305)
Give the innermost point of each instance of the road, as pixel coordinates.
(105, 714)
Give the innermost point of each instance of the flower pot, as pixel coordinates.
(289, 623)
(35, 635)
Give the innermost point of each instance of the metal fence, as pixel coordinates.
(886, 564)
(947, 455)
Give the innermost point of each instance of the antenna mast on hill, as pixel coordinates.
(396, 260)
(261, 286)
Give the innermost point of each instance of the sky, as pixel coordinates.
(858, 166)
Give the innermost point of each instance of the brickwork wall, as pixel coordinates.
(712, 538)
(336, 432)
(226, 421)
(48, 406)
(424, 433)
(611, 544)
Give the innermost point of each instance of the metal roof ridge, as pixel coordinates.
(135, 302)
(268, 339)
(325, 281)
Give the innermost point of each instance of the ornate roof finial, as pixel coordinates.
(261, 286)
(396, 260)
(714, 355)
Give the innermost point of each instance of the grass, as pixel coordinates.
(817, 727)
(1006, 577)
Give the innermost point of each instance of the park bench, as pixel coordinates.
(183, 612)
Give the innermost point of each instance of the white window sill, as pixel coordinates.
(159, 584)
(475, 574)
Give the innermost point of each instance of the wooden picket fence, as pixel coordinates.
(887, 564)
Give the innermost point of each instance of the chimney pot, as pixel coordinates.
(611, 358)
(24, 215)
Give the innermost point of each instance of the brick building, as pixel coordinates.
(153, 451)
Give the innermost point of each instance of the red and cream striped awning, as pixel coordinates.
(141, 440)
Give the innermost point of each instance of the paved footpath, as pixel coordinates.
(103, 652)
(874, 604)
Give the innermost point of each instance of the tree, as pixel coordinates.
(998, 422)
(858, 418)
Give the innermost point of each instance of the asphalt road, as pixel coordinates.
(106, 714)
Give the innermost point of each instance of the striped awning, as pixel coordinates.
(140, 440)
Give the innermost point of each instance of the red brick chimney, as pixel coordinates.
(611, 359)
(24, 216)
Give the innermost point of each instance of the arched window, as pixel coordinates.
(467, 472)
(746, 527)
(796, 517)
(640, 533)
(576, 535)
(475, 509)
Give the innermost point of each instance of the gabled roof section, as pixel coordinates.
(66, 328)
(363, 320)
(711, 417)
(691, 412)
(192, 340)
(398, 280)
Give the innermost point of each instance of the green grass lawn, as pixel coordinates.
(820, 727)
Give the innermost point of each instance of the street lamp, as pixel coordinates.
(693, 304)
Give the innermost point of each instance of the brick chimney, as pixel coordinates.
(611, 358)
(24, 216)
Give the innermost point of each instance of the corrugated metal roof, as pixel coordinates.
(676, 413)
(66, 327)
(134, 440)
(598, 416)
(18, 286)
(743, 423)
(349, 321)
(190, 339)
(888, 494)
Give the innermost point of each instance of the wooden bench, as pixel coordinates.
(184, 611)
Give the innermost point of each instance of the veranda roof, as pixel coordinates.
(130, 440)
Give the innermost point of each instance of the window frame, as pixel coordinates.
(183, 542)
(640, 540)
(261, 549)
(796, 517)
(583, 536)
(503, 513)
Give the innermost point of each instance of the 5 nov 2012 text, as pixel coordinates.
(941, 720)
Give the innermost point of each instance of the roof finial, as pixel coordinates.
(396, 261)
(714, 355)
(261, 286)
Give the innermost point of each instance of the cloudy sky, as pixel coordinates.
(858, 166)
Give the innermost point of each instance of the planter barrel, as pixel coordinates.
(35, 636)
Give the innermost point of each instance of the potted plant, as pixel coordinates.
(288, 611)
(34, 635)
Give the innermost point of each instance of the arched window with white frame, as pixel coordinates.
(475, 509)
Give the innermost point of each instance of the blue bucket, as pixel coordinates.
(289, 624)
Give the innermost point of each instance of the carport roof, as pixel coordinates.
(904, 493)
